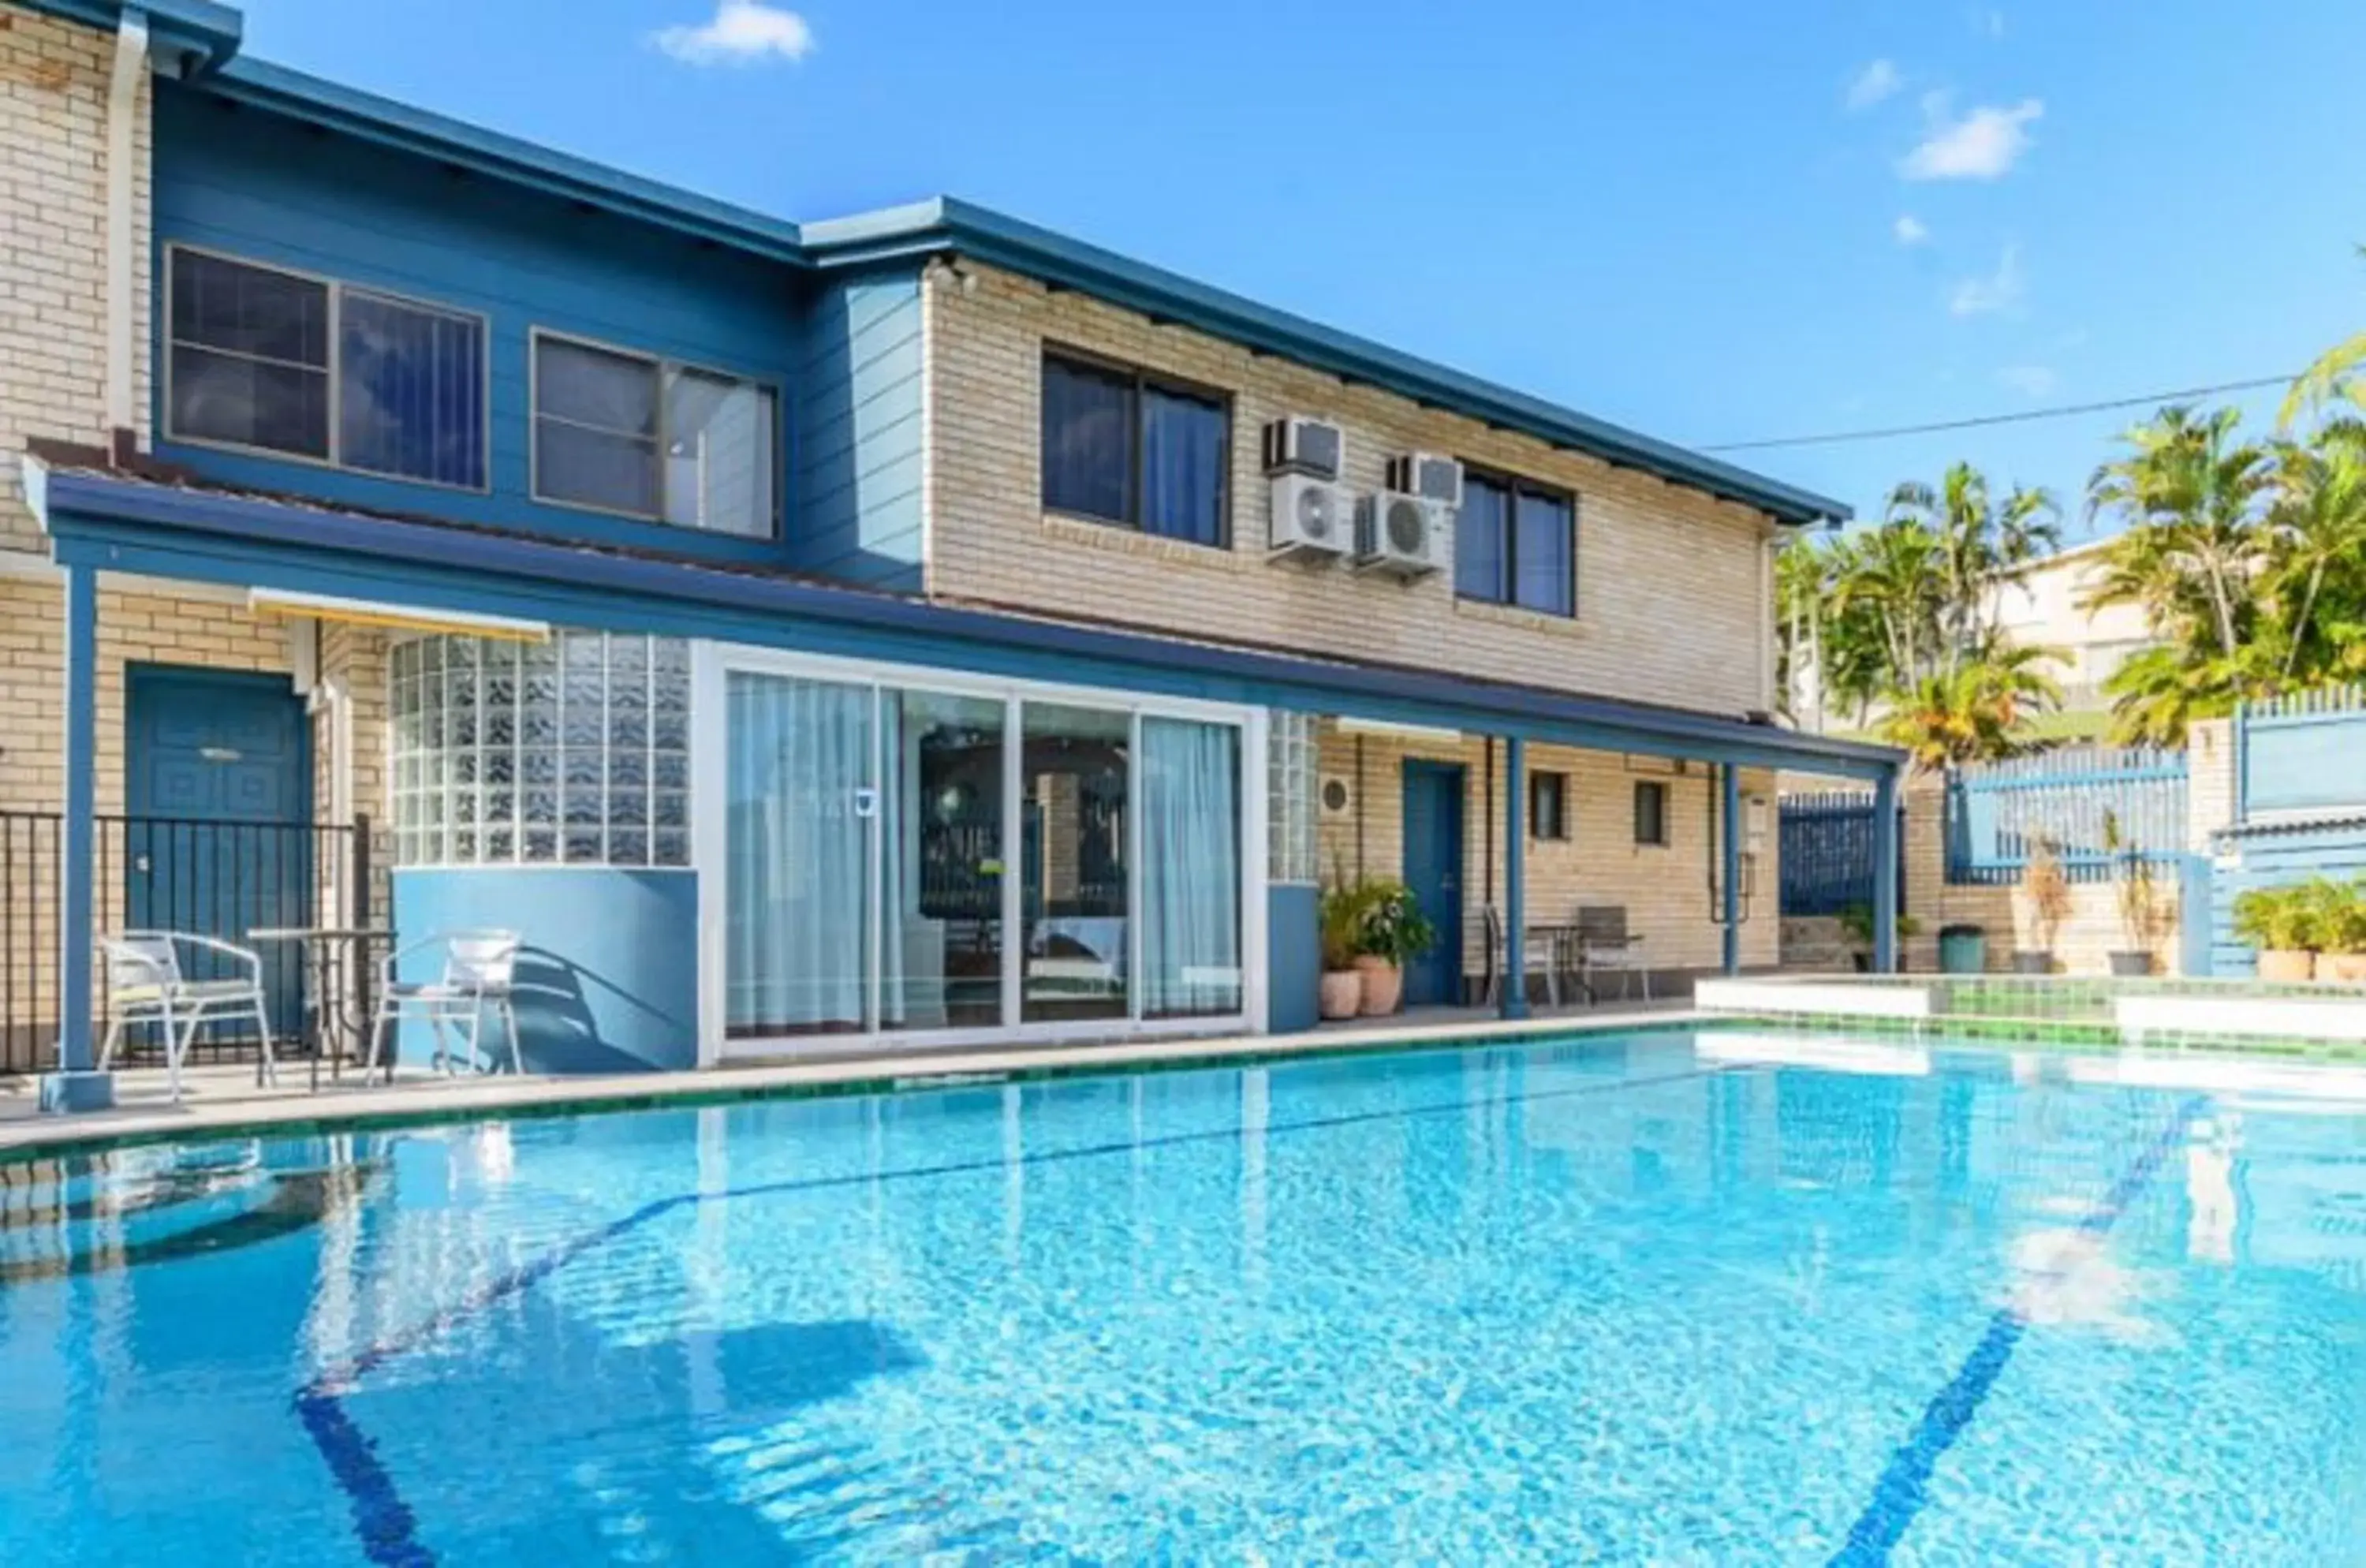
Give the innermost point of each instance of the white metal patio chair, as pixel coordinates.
(146, 984)
(1540, 954)
(479, 969)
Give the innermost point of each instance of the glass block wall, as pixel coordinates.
(1291, 853)
(573, 751)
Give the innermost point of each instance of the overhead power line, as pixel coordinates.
(2066, 411)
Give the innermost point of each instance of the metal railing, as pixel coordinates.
(1828, 850)
(209, 877)
(1998, 813)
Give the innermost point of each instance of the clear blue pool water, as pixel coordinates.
(1638, 1299)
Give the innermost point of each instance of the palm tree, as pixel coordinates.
(2318, 522)
(1973, 713)
(2194, 500)
(1979, 543)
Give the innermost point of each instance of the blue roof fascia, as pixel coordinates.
(948, 224)
(132, 525)
(206, 33)
(387, 123)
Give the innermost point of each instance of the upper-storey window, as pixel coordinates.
(1124, 446)
(650, 438)
(1516, 543)
(305, 367)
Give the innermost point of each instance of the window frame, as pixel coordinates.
(336, 289)
(1659, 788)
(1139, 378)
(1559, 780)
(1513, 485)
(538, 334)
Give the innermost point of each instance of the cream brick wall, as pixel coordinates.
(54, 84)
(1670, 588)
(1665, 890)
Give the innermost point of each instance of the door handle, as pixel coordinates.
(140, 865)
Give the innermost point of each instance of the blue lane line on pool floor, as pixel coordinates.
(389, 1529)
(1903, 1491)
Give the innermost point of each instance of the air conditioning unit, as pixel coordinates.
(1313, 447)
(1427, 474)
(1402, 535)
(1312, 520)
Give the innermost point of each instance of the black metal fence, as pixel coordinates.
(223, 879)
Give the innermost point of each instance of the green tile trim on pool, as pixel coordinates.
(1993, 1028)
(713, 1087)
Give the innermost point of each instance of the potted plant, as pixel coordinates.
(1342, 918)
(2046, 892)
(2338, 913)
(2145, 914)
(1856, 926)
(1393, 932)
(2279, 922)
(2340, 918)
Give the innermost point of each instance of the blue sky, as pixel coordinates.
(1691, 219)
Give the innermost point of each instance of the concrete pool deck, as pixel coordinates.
(223, 1099)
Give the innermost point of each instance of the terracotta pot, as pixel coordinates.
(2285, 965)
(1383, 986)
(2348, 968)
(1343, 993)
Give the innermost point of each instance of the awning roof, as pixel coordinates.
(119, 521)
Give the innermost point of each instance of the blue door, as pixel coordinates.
(1433, 869)
(218, 803)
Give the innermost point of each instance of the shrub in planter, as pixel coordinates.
(2146, 914)
(1392, 932)
(1342, 917)
(2281, 922)
(1856, 926)
(2046, 889)
(2339, 930)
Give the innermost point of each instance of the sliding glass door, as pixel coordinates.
(916, 862)
(799, 871)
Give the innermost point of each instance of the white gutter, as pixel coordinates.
(123, 142)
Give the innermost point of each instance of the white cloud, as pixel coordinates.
(1983, 145)
(2000, 290)
(741, 32)
(2028, 380)
(1990, 21)
(1874, 83)
(1910, 231)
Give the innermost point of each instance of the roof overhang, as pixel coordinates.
(115, 523)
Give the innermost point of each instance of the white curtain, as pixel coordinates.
(799, 883)
(1190, 870)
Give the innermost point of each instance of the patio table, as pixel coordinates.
(338, 967)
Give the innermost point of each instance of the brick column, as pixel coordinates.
(1926, 867)
(2208, 781)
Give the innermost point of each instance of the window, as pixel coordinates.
(1652, 813)
(1123, 446)
(1547, 805)
(1516, 543)
(277, 361)
(648, 438)
(574, 750)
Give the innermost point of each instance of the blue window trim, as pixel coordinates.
(337, 289)
(1141, 379)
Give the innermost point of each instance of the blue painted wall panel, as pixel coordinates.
(1294, 957)
(2304, 761)
(607, 980)
(251, 185)
(859, 435)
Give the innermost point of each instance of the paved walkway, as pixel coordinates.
(224, 1099)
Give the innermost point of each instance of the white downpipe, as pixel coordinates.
(123, 142)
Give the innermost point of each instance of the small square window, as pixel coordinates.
(1652, 813)
(1549, 805)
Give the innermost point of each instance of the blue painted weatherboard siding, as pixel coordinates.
(2274, 859)
(859, 433)
(251, 185)
(607, 980)
(1293, 942)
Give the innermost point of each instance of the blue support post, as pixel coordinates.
(1515, 1002)
(77, 1085)
(1731, 912)
(1884, 874)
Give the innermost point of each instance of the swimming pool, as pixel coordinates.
(1665, 1297)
